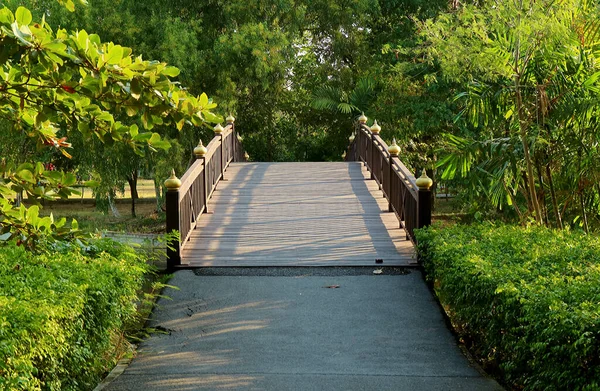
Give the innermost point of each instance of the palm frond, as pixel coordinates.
(326, 98)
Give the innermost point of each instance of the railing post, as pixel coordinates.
(393, 150)
(219, 132)
(200, 152)
(223, 158)
(172, 204)
(424, 200)
(231, 121)
(371, 153)
(362, 120)
(375, 129)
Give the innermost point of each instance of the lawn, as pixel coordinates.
(148, 220)
(82, 208)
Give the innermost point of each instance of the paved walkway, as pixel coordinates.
(287, 329)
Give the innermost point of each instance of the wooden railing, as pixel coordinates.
(410, 202)
(188, 199)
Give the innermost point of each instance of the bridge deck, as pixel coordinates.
(297, 214)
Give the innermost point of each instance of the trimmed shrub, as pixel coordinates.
(527, 299)
(60, 312)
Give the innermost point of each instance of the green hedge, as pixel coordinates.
(60, 312)
(528, 299)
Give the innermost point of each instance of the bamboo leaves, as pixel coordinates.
(529, 71)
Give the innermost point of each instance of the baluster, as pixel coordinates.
(200, 152)
(375, 129)
(219, 132)
(394, 150)
(362, 121)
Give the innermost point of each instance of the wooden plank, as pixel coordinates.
(297, 214)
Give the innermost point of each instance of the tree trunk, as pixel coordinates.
(542, 194)
(513, 200)
(434, 177)
(585, 220)
(553, 195)
(530, 177)
(157, 194)
(132, 180)
(523, 124)
(113, 207)
(526, 192)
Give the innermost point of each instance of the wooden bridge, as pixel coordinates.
(361, 212)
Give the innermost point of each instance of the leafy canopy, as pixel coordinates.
(53, 83)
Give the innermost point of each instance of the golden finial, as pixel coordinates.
(424, 182)
(394, 149)
(218, 129)
(173, 183)
(200, 150)
(375, 129)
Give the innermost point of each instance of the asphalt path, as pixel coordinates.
(300, 329)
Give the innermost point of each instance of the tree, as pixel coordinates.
(529, 71)
(53, 84)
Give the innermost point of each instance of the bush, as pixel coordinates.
(528, 299)
(60, 312)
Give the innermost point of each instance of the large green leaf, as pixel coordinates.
(23, 16)
(114, 56)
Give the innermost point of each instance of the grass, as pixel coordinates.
(448, 211)
(148, 220)
(145, 188)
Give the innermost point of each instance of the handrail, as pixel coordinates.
(411, 204)
(186, 202)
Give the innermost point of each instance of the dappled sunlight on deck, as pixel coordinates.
(297, 214)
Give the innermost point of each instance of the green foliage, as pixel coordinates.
(23, 224)
(74, 81)
(60, 312)
(527, 298)
(526, 71)
(60, 85)
(266, 61)
(333, 99)
(261, 61)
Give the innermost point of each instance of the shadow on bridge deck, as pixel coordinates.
(297, 214)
